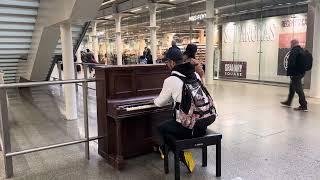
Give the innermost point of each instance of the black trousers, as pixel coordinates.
(296, 87)
(178, 131)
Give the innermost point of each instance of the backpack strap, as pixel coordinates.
(183, 79)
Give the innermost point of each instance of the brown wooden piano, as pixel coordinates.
(127, 117)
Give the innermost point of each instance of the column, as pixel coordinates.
(68, 71)
(78, 54)
(209, 41)
(153, 31)
(118, 39)
(95, 43)
(217, 51)
(201, 37)
(89, 44)
(315, 73)
(142, 44)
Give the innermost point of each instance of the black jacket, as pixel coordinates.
(295, 62)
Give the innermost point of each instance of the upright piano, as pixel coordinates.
(127, 117)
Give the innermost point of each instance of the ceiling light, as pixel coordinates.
(135, 10)
(108, 17)
(267, 6)
(198, 2)
(107, 2)
(171, 8)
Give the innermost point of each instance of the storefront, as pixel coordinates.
(258, 49)
(251, 40)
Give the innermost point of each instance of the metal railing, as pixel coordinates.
(5, 126)
(84, 66)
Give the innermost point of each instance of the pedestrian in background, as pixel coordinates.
(298, 63)
(190, 56)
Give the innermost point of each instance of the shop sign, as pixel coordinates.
(233, 69)
(197, 17)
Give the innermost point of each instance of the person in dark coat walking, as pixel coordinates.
(296, 71)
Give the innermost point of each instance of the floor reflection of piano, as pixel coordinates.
(127, 117)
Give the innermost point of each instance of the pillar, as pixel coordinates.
(89, 44)
(315, 73)
(95, 43)
(68, 71)
(78, 54)
(217, 52)
(153, 31)
(209, 41)
(201, 37)
(118, 39)
(142, 44)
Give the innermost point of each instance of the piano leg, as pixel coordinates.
(119, 161)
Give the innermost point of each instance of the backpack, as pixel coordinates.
(307, 60)
(196, 104)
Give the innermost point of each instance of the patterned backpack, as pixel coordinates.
(196, 104)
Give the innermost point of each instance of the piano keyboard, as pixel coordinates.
(140, 107)
(135, 107)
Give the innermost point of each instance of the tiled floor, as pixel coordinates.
(261, 140)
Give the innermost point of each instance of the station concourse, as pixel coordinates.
(78, 79)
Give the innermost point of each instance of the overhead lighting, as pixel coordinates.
(100, 33)
(135, 10)
(268, 6)
(171, 0)
(171, 8)
(198, 2)
(107, 2)
(108, 17)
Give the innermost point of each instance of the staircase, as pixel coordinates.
(78, 32)
(17, 21)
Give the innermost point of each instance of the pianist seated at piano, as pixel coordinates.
(184, 125)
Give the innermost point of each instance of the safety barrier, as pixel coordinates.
(5, 127)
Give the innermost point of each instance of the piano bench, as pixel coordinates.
(211, 138)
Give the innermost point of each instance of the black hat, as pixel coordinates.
(173, 54)
(191, 50)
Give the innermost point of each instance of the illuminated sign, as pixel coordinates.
(197, 17)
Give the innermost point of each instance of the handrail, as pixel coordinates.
(51, 146)
(44, 83)
(5, 125)
(96, 64)
(83, 33)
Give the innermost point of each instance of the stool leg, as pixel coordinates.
(166, 160)
(204, 156)
(176, 165)
(218, 159)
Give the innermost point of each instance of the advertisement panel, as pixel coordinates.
(234, 69)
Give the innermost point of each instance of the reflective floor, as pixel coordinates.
(261, 139)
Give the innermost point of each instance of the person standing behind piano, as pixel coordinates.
(172, 91)
(190, 56)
